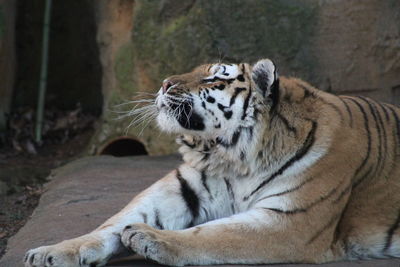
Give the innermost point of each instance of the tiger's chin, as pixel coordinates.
(168, 124)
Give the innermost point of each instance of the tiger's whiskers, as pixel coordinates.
(143, 111)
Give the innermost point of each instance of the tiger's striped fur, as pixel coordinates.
(275, 171)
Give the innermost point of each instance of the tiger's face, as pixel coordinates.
(214, 99)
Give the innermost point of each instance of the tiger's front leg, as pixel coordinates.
(256, 236)
(179, 200)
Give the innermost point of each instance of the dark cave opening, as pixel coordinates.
(123, 147)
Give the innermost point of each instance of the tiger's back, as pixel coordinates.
(364, 138)
(370, 221)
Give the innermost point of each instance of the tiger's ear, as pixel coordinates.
(265, 76)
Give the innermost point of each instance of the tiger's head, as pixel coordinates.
(216, 99)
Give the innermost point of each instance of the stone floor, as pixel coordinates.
(82, 194)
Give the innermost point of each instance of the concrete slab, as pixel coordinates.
(84, 193)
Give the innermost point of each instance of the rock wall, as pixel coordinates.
(7, 57)
(345, 47)
(359, 46)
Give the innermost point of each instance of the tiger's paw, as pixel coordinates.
(83, 251)
(150, 243)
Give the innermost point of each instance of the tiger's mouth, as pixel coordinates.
(186, 115)
(182, 110)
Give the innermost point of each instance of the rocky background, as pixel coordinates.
(103, 52)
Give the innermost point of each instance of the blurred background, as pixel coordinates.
(102, 53)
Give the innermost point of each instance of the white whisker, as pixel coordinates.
(143, 111)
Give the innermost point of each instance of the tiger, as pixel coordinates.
(274, 171)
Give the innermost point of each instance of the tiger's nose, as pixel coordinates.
(166, 85)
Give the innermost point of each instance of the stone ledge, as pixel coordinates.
(84, 193)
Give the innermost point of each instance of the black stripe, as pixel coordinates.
(337, 234)
(243, 67)
(344, 192)
(224, 71)
(227, 112)
(236, 136)
(289, 190)
(309, 206)
(368, 136)
(189, 195)
(286, 211)
(211, 80)
(206, 156)
(378, 129)
(357, 171)
(289, 127)
(274, 95)
(250, 130)
(235, 94)
(231, 194)
(309, 141)
(348, 111)
(157, 220)
(206, 213)
(365, 176)
(144, 217)
(204, 182)
(384, 134)
(390, 233)
(31, 258)
(221, 107)
(235, 139)
(338, 111)
(188, 144)
(219, 87)
(353, 184)
(217, 79)
(385, 144)
(384, 111)
(246, 104)
(397, 122)
(331, 222)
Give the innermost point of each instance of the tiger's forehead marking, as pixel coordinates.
(225, 71)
